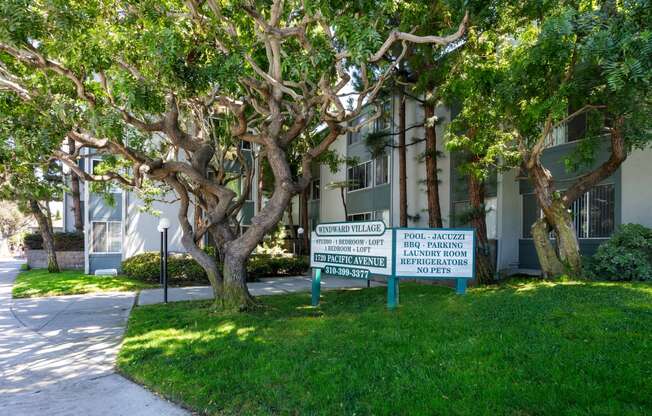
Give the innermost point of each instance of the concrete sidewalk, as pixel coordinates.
(57, 355)
(265, 287)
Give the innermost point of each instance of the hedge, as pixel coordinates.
(62, 241)
(183, 269)
(264, 265)
(626, 256)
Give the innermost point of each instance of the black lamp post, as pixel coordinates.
(163, 226)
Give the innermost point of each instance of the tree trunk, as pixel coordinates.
(566, 258)
(305, 224)
(550, 264)
(484, 266)
(260, 186)
(76, 202)
(567, 243)
(343, 196)
(75, 193)
(555, 208)
(46, 232)
(432, 180)
(234, 294)
(402, 163)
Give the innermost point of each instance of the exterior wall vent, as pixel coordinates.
(106, 272)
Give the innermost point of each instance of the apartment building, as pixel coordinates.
(624, 197)
(116, 231)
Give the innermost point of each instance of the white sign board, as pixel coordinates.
(435, 253)
(352, 249)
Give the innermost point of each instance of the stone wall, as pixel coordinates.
(38, 259)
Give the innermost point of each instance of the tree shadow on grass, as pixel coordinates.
(535, 348)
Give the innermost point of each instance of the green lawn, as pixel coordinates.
(38, 282)
(519, 349)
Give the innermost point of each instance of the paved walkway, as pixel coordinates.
(57, 356)
(265, 287)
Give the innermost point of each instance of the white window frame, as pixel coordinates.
(93, 160)
(389, 171)
(360, 119)
(108, 244)
(365, 213)
(385, 117)
(370, 183)
(248, 145)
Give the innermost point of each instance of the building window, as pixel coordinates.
(531, 213)
(461, 216)
(384, 122)
(95, 163)
(245, 145)
(382, 170)
(315, 189)
(593, 213)
(462, 213)
(361, 216)
(106, 237)
(360, 176)
(356, 137)
(573, 130)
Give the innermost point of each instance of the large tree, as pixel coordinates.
(28, 175)
(594, 59)
(546, 63)
(13, 221)
(475, 134)
(172, 88)
(426, 68)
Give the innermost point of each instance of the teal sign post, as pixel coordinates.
(358, 250)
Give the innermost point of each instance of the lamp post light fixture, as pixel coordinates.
(163, 226)
(299, 241)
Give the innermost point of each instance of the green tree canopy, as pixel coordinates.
(171, 89)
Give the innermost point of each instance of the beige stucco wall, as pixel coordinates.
(330, 202)
(508, 220)
(141, 233)
(636, 187)
(72, 260)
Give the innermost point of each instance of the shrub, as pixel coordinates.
(627, 255)
(184, 269)
(265, 265)
(181, 268)
(62, 241)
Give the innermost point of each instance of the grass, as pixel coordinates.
(38, 282)
(528, 348)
